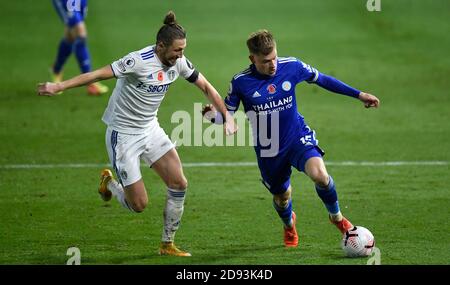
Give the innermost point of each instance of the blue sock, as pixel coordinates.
(329, 197)
(284, 213)
(82, 54)
(64, 51)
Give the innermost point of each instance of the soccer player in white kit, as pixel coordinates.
(133, 131)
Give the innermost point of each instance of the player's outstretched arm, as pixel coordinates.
(213, 96)
(334, 85)
(51, 89)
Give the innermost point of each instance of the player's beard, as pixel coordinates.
(167, 61)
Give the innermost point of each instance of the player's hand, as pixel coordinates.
(209, 113)
(369, 100)
(230, 126)
(48, 89)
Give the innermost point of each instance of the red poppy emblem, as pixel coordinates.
(271, 88)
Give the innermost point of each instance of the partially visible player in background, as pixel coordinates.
(267, 89)
(133, 133)
(73, 14)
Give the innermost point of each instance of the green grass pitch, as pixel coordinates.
(399, 54)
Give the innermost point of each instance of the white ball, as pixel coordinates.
(358, 242)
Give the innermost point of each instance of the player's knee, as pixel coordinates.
(139, 205)
(282, 200)
(178, 184)
(80, 30)
(320, 177)
(69, 38)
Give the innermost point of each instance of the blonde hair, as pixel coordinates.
(261, 42)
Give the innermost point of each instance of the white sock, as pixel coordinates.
(172, 213)
(117, 191)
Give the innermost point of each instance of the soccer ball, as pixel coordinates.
(357, 242)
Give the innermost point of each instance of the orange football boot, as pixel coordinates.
(105, 177)
(169, 248)
(343, 225)
(290, 234)
(97, 89)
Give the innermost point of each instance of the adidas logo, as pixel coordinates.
(256, 94)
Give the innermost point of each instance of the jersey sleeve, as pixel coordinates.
(127, 65)
(306, 73)
(187, 70)
(233, 99)
(311, 75)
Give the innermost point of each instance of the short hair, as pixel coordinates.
(170, 31)
(261, 42)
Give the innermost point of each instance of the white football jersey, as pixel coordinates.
(142, 83)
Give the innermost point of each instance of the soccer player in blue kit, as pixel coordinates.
(267, 91)
(73, 14)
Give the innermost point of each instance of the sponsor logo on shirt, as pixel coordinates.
(153, 88)
(278, 105)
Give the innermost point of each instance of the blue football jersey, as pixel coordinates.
(270, 102)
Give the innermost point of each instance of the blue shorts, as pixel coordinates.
(276, 171)
(71, 12)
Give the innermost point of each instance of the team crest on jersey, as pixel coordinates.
(171, 74)
(286, 86)
(124, 175)
(272, 88)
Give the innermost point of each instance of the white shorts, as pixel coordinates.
(125, 151)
